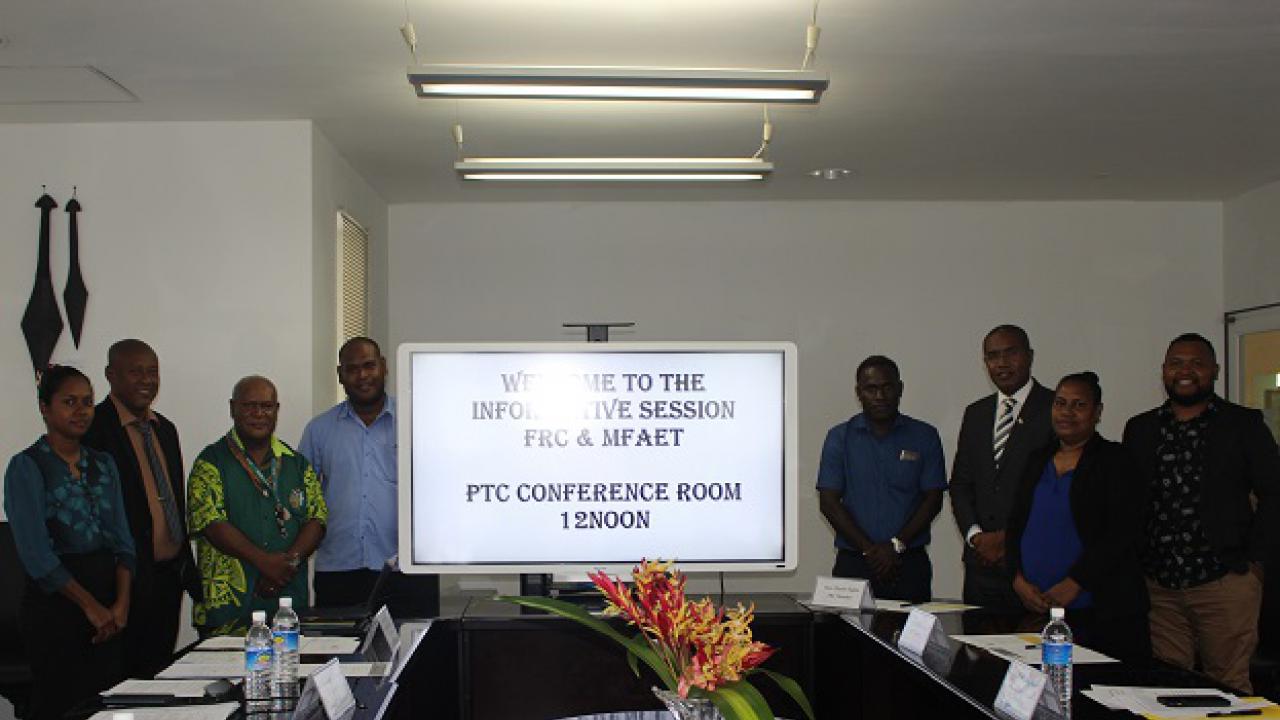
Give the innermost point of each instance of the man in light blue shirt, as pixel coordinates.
(353, 448)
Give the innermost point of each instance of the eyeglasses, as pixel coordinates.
(258, 408)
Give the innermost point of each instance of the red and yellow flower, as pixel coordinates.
(703, 646)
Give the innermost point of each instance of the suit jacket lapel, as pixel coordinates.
(125, 458)
(1084, 466)
(135, 496)
(987, 418)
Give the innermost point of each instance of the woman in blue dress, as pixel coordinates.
(66, 511)
(1075, 531)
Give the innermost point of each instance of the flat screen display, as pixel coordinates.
(572, 456)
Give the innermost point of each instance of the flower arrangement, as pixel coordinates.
(696, 649)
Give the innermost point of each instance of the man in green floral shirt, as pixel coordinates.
(256, 515)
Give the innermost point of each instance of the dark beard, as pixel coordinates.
(1188, 400)
(368, 405)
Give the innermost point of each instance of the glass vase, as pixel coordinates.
(688, 708)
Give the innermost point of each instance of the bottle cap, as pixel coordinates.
(286, 602)
(1057, 613)
(260, 616)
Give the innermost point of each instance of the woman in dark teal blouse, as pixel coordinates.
(65, 508)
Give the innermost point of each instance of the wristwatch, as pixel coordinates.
(898, 546)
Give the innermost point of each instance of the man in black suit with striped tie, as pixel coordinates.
(997, 434)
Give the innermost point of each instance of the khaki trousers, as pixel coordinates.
(1218, 619)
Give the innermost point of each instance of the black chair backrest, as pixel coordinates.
(13, 583)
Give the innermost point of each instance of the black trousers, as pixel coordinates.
(404, 595)
(344, 589)
(990, 588)
(154, 615)
(914, 582)
(67, 669)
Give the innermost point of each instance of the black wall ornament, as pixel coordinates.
(42, 323)
(75, 296)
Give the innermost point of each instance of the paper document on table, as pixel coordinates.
(1244, 712)
(357, 669)
(221, 642)
(932, 607)
(326, 645)
(307, 644)
(1142, 701)
(215, 671)
(938, 606)
(1025, 648)
(211, 657)
(176, 688)
(220, 711)
(191, 671)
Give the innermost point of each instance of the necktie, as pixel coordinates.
(1004, 426)
(163, 490)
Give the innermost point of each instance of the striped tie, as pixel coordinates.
(1004, 426)
(164, 494)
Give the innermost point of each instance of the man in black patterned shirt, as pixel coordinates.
(1206, 463)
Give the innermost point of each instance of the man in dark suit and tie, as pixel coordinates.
(997, 435)
(145, 447)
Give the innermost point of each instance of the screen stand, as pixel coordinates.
(598, 332)
(535, 584)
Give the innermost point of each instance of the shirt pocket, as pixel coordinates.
(383, 458)
(905, 469)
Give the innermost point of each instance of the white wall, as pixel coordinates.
(196, 237)
(1251, 248)
(336, 186)
(206, 239)
(1099, 285)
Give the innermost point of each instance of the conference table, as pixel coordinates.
(863, 673)
(487, 660)
(496, 661)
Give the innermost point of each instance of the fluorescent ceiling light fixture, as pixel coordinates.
(618, 83)
(614, 169)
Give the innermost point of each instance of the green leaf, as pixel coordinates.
(635, 646)
(631, 657)
(741, 701)
(792, 688)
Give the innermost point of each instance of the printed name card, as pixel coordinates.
(843, 593)
(921, 630)
(1023, 691)
(382, 640)
(384, 621)
(328, 685)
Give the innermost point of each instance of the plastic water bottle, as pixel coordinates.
(257, 665)
(284, 664)
(1056, 643)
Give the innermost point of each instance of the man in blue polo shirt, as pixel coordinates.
(880, 484)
